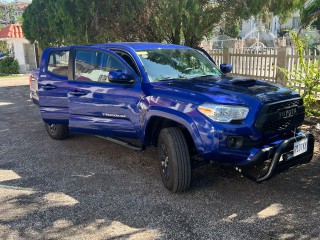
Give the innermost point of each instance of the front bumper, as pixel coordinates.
(276, 157)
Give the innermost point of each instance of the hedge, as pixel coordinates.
(9, 65)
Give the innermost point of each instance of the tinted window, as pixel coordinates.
(94, 66)
(58, 62)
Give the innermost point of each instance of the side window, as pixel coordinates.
(58, 62)
(94, 66)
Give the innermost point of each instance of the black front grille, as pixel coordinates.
(284, 124)
(272, 120)
(281, 105)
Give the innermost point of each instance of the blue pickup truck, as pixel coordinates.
(173, 97)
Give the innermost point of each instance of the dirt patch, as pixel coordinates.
(12, 82)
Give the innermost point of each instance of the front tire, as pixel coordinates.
(174, 160)
(57, 131)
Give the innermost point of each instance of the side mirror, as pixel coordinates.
(226, 68)
(120, 76)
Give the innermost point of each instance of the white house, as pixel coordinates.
(272, 28)
(23, 51)
(272, 25)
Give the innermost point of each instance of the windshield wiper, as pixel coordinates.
(172, 78)
(186, 78)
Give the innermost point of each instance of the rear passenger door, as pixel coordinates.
(98, 106)
(53, 85)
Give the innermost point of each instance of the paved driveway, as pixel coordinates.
(88, 188)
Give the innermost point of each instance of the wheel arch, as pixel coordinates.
(159, 119)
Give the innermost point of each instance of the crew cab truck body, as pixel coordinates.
(175, 98)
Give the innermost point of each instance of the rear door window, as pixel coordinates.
(58, 63)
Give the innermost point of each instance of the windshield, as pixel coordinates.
(167, 64)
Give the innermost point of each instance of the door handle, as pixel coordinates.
(49, 87)
(77, 93)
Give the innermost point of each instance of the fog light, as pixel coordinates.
(234, 142)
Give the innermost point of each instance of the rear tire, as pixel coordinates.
(57, 131)
(174, 160)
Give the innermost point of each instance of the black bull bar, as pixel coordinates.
(277, 159)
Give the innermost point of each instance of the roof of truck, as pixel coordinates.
(142, 45)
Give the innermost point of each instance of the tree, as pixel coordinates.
(231, 27)
(310, 15)
(262, 8)
(199, 18)
(7, 14)
(304, 73)
(36, 24)
(175, 21)
(66, 22)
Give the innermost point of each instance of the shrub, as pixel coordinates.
(305, 74)
(9, 65)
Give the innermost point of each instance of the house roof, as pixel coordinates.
(12, 31)
(22, 7)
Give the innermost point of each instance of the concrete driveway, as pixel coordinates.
(88, 188)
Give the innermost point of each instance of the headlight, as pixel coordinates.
(224, 113)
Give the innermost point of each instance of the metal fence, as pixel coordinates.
(263, 63)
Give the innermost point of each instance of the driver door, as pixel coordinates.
(96, 105)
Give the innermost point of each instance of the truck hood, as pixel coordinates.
(234, 87)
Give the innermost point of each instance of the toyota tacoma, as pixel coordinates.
(176, 99)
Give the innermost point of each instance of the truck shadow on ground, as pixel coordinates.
(85, 187)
